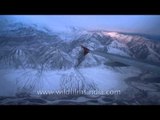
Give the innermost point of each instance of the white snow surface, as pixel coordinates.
(105, 78)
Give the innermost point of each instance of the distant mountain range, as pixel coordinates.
(31, 46)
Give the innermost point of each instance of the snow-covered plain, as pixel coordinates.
(105, 78)
(133, 90)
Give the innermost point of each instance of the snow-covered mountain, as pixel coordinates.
(32, 44)
(134, 45)
(34, 58)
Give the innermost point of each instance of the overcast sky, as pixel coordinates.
(149, 24)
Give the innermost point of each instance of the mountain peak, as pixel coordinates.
(111, 34)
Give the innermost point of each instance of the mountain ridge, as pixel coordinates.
(34, 39)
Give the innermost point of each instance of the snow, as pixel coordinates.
(118, 48)
(104, 78)
(123, 37)
(71, 34)
(112, 34)
(117, 51)
(153, 56)
(60, 73)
